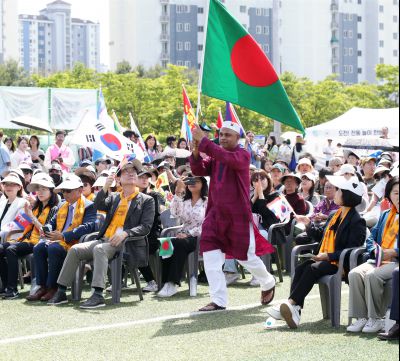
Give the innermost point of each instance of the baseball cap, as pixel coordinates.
(85, 163)
(232, 126)
(335, 161)
(381, 169)
(310, 176)
(131, 164)
(71, 181)
(25, 166)
(278, 166)
(55, 166)
(367, 159)
(40, 179)
(102, 159)
(352, 185)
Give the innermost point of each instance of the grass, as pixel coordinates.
(231, 335)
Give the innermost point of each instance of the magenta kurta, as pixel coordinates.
(228, 216)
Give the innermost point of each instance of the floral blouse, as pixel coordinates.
(192, 217)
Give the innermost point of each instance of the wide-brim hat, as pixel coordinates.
(88, 171)
(12, 178)
(346, 168)
(70, 182)
(103, 159)
(40, 180)
(291, 175)
(25, 166)
(310, 176)
(348, 152)
(381, 169)
(302, 161)
(352, 185)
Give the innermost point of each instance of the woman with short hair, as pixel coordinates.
(343, 229)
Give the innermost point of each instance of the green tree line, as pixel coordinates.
(154, 96)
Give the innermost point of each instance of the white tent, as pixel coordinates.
(357, 122)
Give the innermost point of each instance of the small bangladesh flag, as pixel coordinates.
(166, 247)
(237, 70)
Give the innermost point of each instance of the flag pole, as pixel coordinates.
(202, 62)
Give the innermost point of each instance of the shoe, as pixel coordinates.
(37, 295)
(212, 307)
(49, 295)
(231, 278)
(267, 296)
(168, 290)
(95, 301)
(11, 294)
(254, 282)
(3, 292)
(357, 326)
(291, 314)
(275, 312)
(151, 287)
(374, 325)
(58, 299)
(391, 335)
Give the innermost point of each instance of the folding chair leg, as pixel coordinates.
(278, 265)
(77, 285)
(335, 300)
(324, 295)
(136, 279)
(116, 278)
(21, 274)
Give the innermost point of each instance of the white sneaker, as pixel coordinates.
(151, 287)
(231, 278)
(291, 314)
(254, 282)
(374, 325)
(358, 325)
(275, 312)
(168, 290)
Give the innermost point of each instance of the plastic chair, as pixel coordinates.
(310, 209)
(167, 220)
(330, 287)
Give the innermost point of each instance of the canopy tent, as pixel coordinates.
(357, 122)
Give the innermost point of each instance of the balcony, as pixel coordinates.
(335, 60)
(164, 37)
(334, 41)
(164, 18)
(334, 25)
(165, 56)
(334, 7)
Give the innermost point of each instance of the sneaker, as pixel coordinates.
(95, 301)
(58, 299)
(231, 278)
(358, 325)
(168, 290)
(11, 294)
(254, 282)
(3, 292)
(374, 325)
(275, 312)
(151, 287)
(291, 314)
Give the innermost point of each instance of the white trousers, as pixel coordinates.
(214, 261)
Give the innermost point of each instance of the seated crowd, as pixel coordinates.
(352, 202)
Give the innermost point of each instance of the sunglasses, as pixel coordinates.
(67, 191)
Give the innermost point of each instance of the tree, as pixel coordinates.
(389, 87)
(11, 74)
(123, 67)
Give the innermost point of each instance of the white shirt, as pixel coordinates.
(329, 151)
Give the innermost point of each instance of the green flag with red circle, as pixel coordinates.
(237, 70)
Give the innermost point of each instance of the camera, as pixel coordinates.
(191, 181)
(47, 228)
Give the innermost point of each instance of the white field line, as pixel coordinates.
(73, 331)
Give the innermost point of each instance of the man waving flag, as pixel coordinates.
(235, 69)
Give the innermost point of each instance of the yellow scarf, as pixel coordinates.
(328, 243)
(118, 220)
(91, 197)
(391, 230)
(35, 235)
(62, 215)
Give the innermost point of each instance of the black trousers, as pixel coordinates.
(9, 254)
(302, 239)
(172, 267)
(394, 309)
(146, 272)
(306, 275)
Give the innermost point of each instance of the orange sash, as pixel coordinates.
(391, 230)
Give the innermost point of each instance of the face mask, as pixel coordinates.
(56, 178)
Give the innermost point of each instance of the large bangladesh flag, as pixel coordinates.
(237, 70)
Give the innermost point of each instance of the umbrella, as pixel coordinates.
(372, 144)
(177, 153)
(32, 123)
(290, 135)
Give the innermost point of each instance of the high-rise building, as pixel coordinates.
(311, 38)
(156, 32)
(344, 37)
(53, 41)
(8, 30)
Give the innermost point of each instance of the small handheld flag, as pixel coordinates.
(188, 110)
(231, 116)
(166, 247)
(162, 180)
(281, 208)
(21, 221)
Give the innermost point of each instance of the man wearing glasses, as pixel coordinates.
(130, 214)
(75, 218)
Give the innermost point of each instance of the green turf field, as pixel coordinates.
(68, 333)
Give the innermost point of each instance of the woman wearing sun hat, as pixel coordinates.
(343, 229)
(42, 211)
